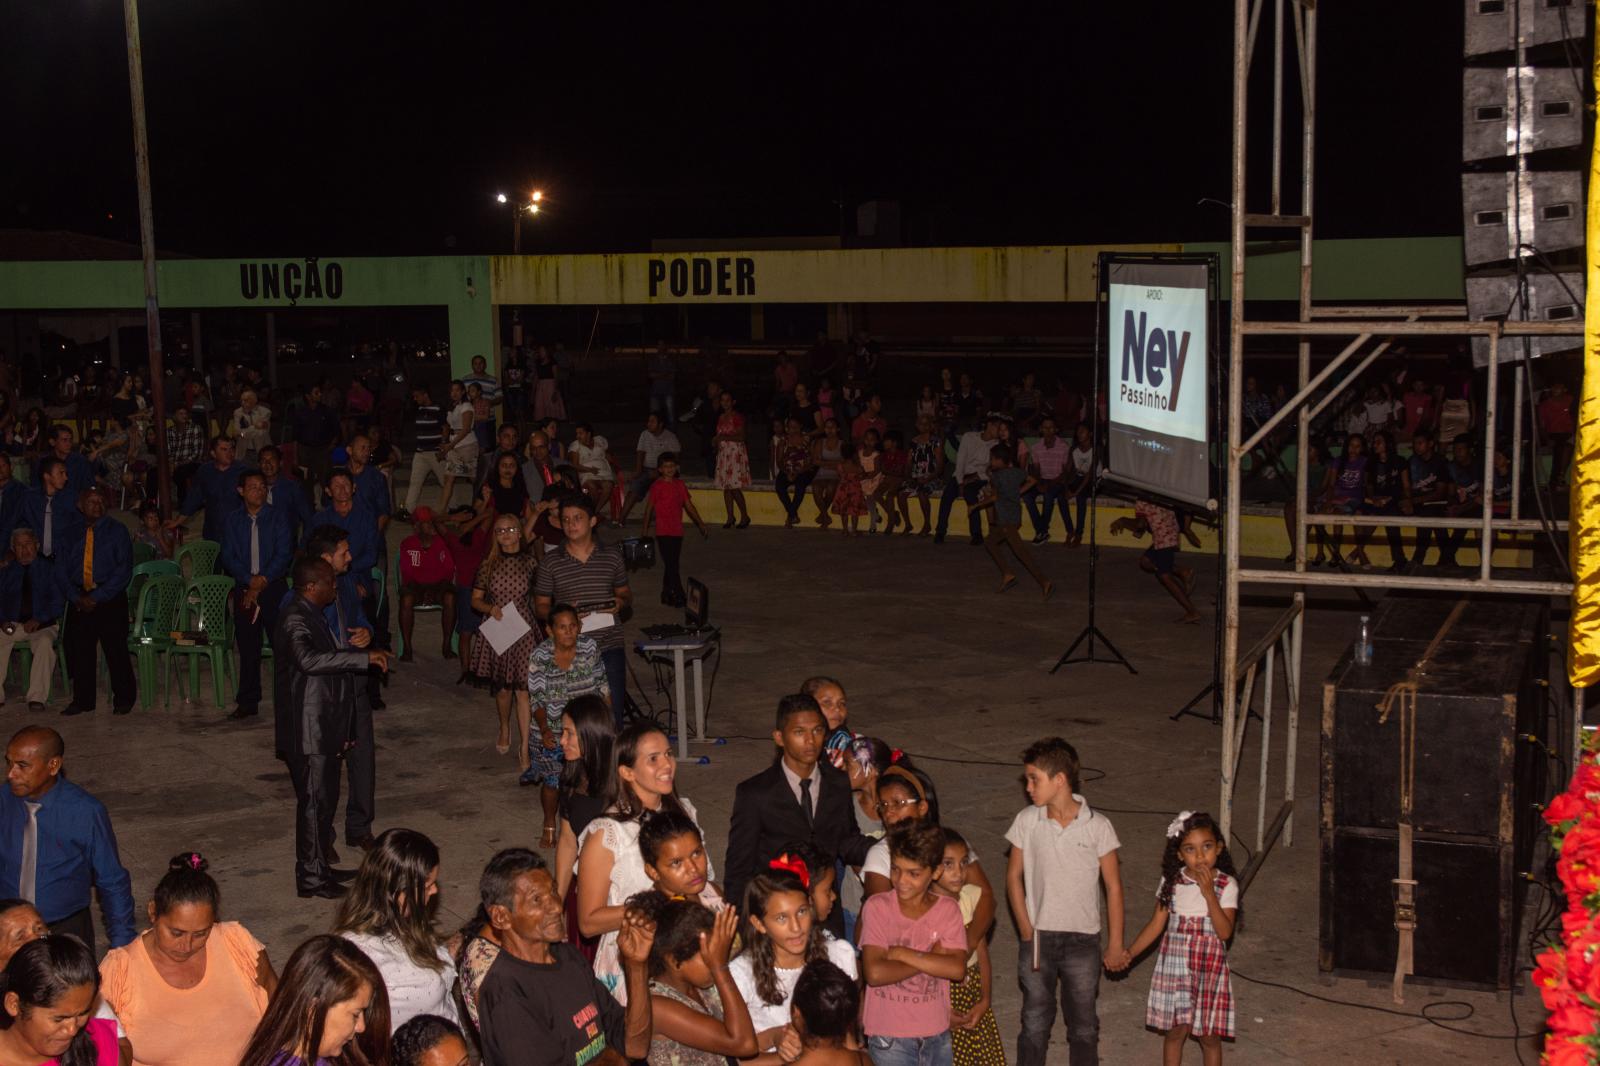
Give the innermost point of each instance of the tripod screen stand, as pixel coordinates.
(1091, 632)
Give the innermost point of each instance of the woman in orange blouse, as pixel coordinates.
(190, 989)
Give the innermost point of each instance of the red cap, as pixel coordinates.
(422, 514)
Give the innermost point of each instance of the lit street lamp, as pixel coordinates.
(531, 208)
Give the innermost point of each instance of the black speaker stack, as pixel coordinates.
(1525, 125)
(1475, 788)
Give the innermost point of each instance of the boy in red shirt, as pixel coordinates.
(427, 576)
(665, 503)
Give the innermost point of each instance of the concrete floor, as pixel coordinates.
(935, 663)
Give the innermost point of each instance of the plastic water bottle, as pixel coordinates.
(1364, 642)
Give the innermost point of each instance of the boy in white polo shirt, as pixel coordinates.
(1060, 853)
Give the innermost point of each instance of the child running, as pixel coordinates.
(666, 502)
(782, 934)
(1007, 483)
(1061, 852)
(1191, 991)
(974, 1033)
(1161, 558)
(698, 1017)
(913, 945)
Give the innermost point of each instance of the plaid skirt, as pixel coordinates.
(1191, 985)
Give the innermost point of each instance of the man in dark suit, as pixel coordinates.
(257, 551)
(32, 600)
(797, 798)
(96, 567)
(314, 701)
(51, 509)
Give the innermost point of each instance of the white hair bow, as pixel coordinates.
(1175, 826)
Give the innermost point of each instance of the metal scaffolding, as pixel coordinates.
(1280, 646)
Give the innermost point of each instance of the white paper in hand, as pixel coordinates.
(504, 631)
(598, 620)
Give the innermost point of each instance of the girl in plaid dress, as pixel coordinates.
(1191, 991)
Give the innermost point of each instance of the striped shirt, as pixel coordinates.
(427, 424)
(566, 580)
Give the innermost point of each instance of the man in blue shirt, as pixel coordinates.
(257, 553)
(1430, 498)
(80, 472)
(96, 567)
(371, 487)
(51, 510)
(360, 522)
(56, 843)
(215, 488)
(12, 493)
(285, 493)
(31, 603)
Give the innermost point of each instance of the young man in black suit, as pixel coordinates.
(796, 798)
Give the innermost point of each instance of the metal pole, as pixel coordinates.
(1486, 533)
(516, 312)
(1516, 436)
(1277, 107)
(1306, 47)
(1230, 615)
(147, 241)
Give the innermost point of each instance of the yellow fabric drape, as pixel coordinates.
(1583, 662)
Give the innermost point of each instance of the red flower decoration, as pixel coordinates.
(794, 865)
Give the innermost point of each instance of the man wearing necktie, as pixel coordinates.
(51, 509)
(315, 684)
(214, 490)
(56, 843)
(256, 553)
(799, 798)
(97, 567)
(32, 600)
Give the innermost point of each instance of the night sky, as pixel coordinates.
(292, 128)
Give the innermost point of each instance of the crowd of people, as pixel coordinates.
(850, 925)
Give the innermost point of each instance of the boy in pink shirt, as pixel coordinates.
(913, 944)
(665, 502)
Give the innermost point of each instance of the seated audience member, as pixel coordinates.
(429, 1040)
(152, 534)
(538, 992)
(32, 601)
(190, 990)
(388, 914)
(427, 577)
(50, 989)
(330, 1009)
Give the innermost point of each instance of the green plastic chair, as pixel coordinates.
(205, 608)
(399, 635)
(143, 572)
(201, 555)
(153, 622)
(142, 553)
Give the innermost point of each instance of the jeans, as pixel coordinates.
(1054, 493)
(910, 1050)
(1073, 959)
(792, 491)
(947, 500)
(664, 403)
(616, 660)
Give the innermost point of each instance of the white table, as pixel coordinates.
(680, 652)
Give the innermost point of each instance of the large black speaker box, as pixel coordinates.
(1475, 788)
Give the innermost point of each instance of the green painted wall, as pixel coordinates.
(458, 283)
(1390, 268)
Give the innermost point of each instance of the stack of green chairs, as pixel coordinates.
(143, 572)
(205, 609)
(153, 622)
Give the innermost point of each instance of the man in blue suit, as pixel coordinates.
(80, 472)
(96, 567)
(215, 488)
(348, 512)
(51, 509)
(257, 553)
(32, 599)
(285, 493)
(12, 493)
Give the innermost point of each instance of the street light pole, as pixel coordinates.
(532, 208)
(147, 243)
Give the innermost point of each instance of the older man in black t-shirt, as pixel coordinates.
(539, 1003)
(593, 578)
